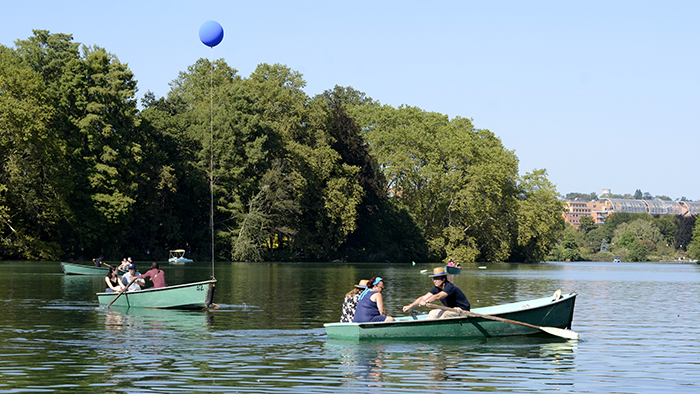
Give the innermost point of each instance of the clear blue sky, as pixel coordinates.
(600, 93)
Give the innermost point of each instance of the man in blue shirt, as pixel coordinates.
(445, 291)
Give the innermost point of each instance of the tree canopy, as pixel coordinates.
(336, 176)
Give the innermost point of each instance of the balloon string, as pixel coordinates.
(211, 156)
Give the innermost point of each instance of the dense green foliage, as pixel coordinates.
(628, 236)
(84, 172)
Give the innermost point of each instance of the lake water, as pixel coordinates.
(639, 327)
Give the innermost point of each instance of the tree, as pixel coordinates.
(540, 222)
(638, 194)
(694, 245)
(347, 96)
(667, 226)
(684, 234)
(91, 95)
(458, 182)
(638, 229)
(29, 164)
(637, 251)
(586, 224)
(568, 247)
(581, 196)
(626, 239)
(173, 203)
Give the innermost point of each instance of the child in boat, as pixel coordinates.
(350, 302)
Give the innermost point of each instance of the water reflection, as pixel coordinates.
(435, 365)
(78, 287)
(118, 319)
(361, 362)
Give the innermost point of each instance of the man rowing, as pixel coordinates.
(131, 279)
(445, 291)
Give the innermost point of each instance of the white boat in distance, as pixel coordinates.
(177, 256)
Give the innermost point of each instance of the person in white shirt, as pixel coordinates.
(129, 276)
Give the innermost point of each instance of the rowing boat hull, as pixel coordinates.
(540, 312)
(187, 296)
(78, 269)
(453, 270)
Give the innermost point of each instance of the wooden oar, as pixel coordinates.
(122, 292)
(559, 332)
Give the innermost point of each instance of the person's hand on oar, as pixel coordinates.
(122, 292)
(559, 332)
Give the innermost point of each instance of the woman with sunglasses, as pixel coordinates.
(370, 307)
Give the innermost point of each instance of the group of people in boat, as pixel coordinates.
(453, 264)
(132, 280)
(365, 303)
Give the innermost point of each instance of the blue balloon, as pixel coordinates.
(211, 33)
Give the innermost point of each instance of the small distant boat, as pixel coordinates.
(195, 295)
(177, 256)
(555, 312)
(453, 270)
(617, 261)
(79, 269)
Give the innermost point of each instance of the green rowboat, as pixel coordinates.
(453, 270)
(79, 269)
(555, 312)
(187, 296)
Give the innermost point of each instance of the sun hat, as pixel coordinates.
(362, 284)
(438, 271)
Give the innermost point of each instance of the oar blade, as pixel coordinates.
(560, 332)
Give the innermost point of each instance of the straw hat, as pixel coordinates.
(438, 271)
(362, 284)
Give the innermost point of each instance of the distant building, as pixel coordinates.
(601, 209)
(579, 209)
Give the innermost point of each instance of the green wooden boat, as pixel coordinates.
(556, 311)
(453, 270)
(79, 269)
(186, 296)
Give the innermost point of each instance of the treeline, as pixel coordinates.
(638, 195)
(630, 237)
(336, 176)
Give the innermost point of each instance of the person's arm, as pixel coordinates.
(417, 301)
(435, 297)
(377, 297)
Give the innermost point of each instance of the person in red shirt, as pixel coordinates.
(156, 275)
